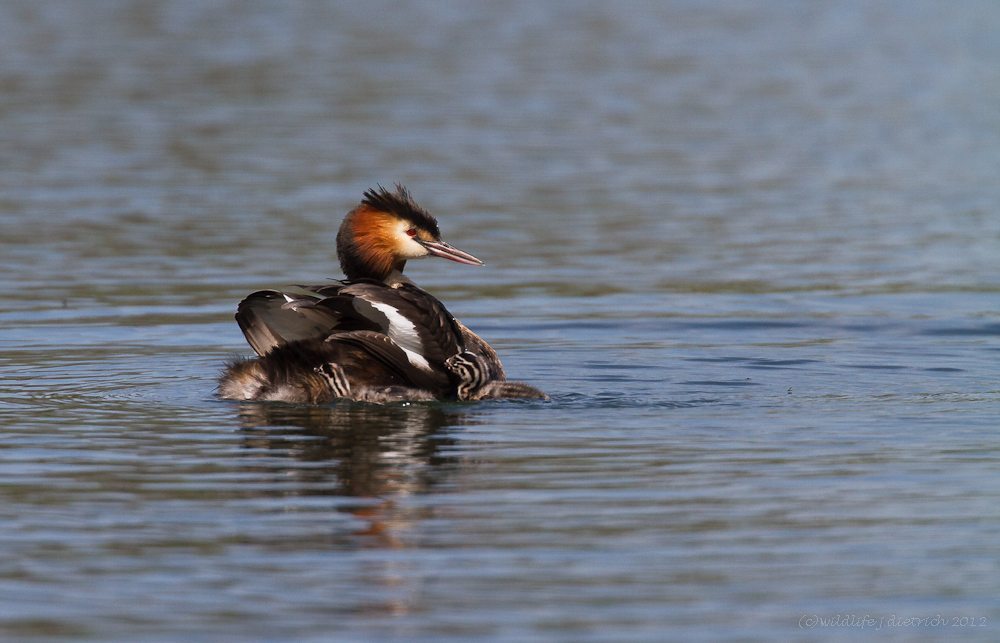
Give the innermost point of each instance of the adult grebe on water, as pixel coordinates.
(374, 337)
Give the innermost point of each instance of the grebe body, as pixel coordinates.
(374, 337)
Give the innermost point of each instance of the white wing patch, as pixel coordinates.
(404, 333)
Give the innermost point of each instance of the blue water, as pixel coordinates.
(751, 250)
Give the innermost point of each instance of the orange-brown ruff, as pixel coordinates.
(376, 336)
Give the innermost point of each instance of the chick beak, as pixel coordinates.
(442, 249)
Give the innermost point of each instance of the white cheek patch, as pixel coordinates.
(405, 244)
(404, 333)
(411, 249)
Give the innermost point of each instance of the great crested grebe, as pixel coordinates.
(374, 337)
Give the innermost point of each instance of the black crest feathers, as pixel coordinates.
(402, 205)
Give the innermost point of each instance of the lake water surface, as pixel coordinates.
(750, 249)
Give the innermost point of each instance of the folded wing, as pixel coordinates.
(403, 327)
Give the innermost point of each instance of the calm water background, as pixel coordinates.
(751, 249)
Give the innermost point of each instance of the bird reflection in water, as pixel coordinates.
(384, 453)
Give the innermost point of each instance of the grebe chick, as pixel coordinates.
(374, 337)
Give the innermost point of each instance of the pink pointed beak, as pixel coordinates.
(442, 249)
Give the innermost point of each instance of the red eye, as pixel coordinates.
(412, 232)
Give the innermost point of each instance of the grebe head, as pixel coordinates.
(384, 231)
